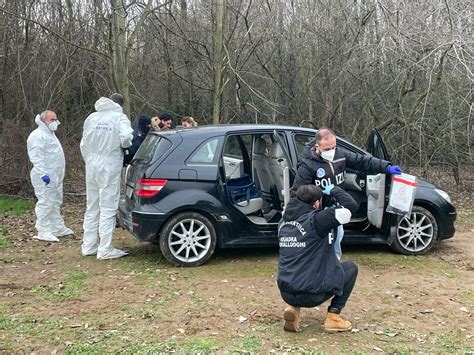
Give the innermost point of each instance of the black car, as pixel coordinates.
(176, 193)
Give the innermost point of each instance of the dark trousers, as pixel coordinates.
(308, 300)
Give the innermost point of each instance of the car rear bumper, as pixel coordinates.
(144, 225)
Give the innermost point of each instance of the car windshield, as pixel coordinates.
(153, 144)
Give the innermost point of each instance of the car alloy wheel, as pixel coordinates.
(188, 239)
(418, 233)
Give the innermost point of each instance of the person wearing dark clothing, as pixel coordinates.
(324, 164)
(166, 121)
(309, 273)
(139, 135)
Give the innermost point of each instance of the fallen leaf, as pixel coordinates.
(428, 310)
(376, 348)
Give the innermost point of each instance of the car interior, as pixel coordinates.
(261, 157)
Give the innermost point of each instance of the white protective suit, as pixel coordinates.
(47, 156)
(105, 133)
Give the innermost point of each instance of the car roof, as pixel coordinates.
(222, 129)
(226, 128)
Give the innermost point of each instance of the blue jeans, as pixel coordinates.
(337, 244)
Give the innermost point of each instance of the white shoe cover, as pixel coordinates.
(90, 251)
(112, 254)
(64, 232)
(46, 237)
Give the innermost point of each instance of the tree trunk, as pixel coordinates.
(218, 62)
(118, 52)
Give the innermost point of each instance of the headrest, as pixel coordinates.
(260, 146)
(277, 151)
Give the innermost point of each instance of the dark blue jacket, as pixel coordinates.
(307, 261)
(314, 170)
(139, 135)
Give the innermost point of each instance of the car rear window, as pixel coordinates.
(154, 145)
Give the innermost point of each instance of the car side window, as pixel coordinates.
(205, 153)
(300, 143)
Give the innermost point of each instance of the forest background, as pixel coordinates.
(404, 67)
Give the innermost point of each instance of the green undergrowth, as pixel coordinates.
(15, 206)
(4, 242)
(72, 286)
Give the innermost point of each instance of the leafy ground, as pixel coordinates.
(54, 300)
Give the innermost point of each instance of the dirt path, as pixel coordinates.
(55, 300)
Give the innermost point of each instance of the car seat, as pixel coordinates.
(261, 166)
(278, 163)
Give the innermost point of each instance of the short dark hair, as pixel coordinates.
(323, 133)
(117, 98)
(309, 193)
(165, 116)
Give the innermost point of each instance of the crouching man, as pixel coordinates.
(309, 272)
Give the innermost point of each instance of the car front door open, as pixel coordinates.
(376, 184)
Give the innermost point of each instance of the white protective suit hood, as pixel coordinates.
(39, 122)
(105, 104)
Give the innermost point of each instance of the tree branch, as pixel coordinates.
(47, 29)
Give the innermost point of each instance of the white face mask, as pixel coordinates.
(53, 125)
(328, 154)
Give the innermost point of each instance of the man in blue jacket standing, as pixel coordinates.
(309, 272)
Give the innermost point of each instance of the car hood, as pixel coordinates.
(425, 184)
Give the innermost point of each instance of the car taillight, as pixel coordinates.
(149, 187)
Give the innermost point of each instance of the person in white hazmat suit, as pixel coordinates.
(106, 132)
(46, 154)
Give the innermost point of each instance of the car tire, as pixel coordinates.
(188, 239)
(416, 235)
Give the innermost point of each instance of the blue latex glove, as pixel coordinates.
(394, 170)
(327, 189)
(46, 179)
